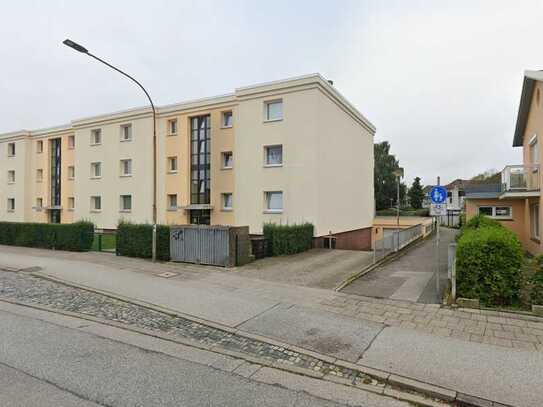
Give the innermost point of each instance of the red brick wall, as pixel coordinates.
(359, 239)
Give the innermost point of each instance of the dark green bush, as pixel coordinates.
(488, 264)
(481, 221)
(70, 236)
(136, 240)
(288, 239)
(404, 212)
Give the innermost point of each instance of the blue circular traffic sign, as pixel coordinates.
(438, 194)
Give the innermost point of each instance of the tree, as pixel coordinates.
(416, 195)
(489, 176)
(384, 178)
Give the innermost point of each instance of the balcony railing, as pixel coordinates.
(520, 178)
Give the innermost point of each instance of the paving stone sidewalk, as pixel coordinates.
(482, 326)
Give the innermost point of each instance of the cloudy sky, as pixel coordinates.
(441, 80)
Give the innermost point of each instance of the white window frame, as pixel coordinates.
(94, 133)
(535, 233)
(123, 128)
(94, 166)
(494, 216)
(169, 199)
(224, 154)
(223, 203)
(71, 168)
(39, 146)
(71, 203)
(224, 124)
(11, 150)
(267, 105)
(266, 162)
(93, 200)
(267, 201)
(122, 203)
(122, 167)
(10, 207)
(170, 132)
(71, 142)
(11, 176)
(39, 175)
(169, 163)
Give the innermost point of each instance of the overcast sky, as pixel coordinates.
(440, 80)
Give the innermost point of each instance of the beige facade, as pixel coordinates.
(517, 205)
(289, 151)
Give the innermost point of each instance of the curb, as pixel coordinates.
(394, 385)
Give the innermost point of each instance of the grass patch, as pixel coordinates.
(109, 242)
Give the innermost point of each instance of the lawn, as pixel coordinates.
(109, 242)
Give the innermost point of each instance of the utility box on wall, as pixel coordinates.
(226, 246)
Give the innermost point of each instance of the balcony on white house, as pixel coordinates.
(520, 181)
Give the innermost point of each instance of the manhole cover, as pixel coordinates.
(167, 274)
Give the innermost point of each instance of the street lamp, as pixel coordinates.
(398, 172)
(83, 50)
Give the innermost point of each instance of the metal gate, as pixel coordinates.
(200, 244)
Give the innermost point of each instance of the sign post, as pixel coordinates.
(438, 195)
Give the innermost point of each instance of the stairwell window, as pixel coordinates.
(11, 177)
(126, 132)
(39, 203)
(71, 142)
(226, 120)
(227, 160)
(71, 203)
(39, 146)
(39, 175)
(273, 201)
(11, 204)
(172, 127)
(273, 110)
(172, 165)
(172, 202)
(71, 172)
(227, 201)
(11, 149)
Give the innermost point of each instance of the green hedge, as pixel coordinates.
(288, 239)
(136, 240)
(403, 212)
(70, 236)
(488, 263)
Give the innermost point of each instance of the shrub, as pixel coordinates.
(481, 221)
(489, 261)
(288, 239)
(76, 236)
(136, 240)
(404, 212)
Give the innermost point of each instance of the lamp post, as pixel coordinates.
(398, 172)
(83, 50)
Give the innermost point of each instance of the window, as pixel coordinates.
(126, 132)
(126, 203)
(172, 202)
(39, 203)
(273, 155)
(126, 168)
(172, 127)
(39, 175)
(96, 203)
(172, 164)
(96, 137)
(39, 146)
(227, 202)
(71, 142)
(71, 172)
(498, 212)
(11, 204)
(227, 119)
(11, 176)
(11, 149)
(274, 201)
(273, 110)
(534, 221)
(96, 170)
(71, 203)
(227, 160)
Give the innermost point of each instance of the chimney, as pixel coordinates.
(331, 82)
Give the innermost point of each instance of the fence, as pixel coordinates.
(451, 269)
(213, 245)
(452, 219)
(394, 240)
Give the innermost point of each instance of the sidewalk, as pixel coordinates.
(451, 348)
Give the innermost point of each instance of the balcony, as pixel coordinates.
(520, 181)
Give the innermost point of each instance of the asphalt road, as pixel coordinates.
(44, 363)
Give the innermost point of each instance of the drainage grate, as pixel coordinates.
(166, 274)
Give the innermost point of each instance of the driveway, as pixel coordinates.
(410, 277)
(317, 268)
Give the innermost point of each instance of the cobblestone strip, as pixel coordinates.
(491, 327)
(31, 290)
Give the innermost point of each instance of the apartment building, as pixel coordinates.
(516, 201)
(288, 151)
